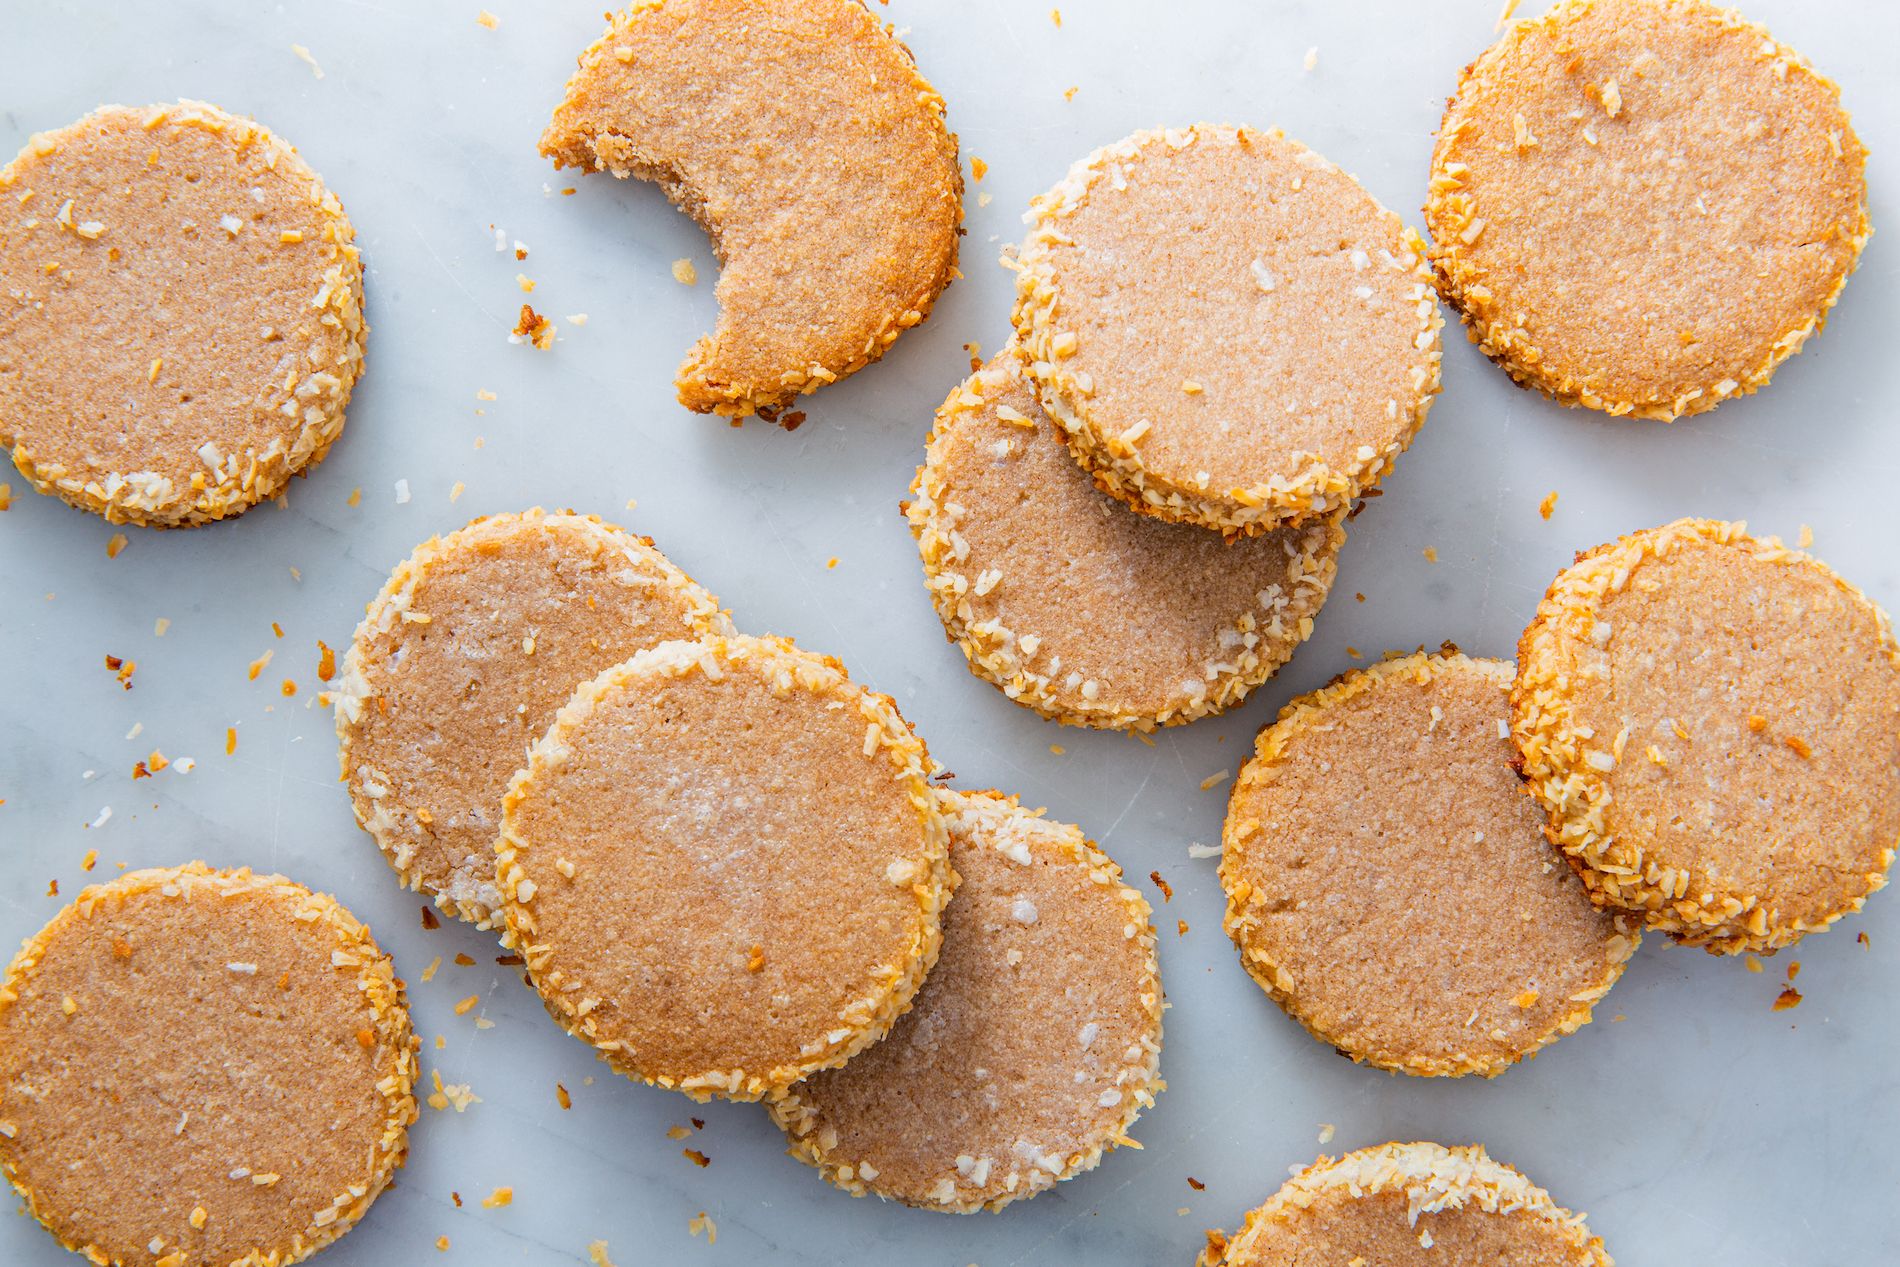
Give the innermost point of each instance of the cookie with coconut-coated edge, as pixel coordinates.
(202, 1066)
(1389, 885)
(181, 314)
(724, 867)
(1409, 1205)
(1079, 609)
(1230, 330)
(1712, 723)
(1033, 1046)
(460, 664)
(1644, 206)
(800, 135)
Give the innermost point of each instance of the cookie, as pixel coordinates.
(1033, 1046)
(1389, 885)
(1644, 206)
(1078, 609)
(800, 135)
(1409, 1205)
(1712, 723)
(460, 664)
(1228, 328)
(181, 314)
(203, 1066)
(723, 866)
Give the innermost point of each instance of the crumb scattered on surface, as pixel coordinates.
(684, 273)
(488, 19)
(304, 56)
(532, 327)
(1548, 505)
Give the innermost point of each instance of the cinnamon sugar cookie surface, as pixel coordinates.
(1409, 1205)
(1033, 1046)
(203, 1067)
(1712, 723)
(1389, 885)
(724, 867)
(1079, 609)
(1228, 328)
(181, 314)
(460, 664)
(1644, 206)
(800, 135)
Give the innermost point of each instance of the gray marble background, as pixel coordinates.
(1704, 1127)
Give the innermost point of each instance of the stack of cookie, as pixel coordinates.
(726, 866)
(1234, 342)
(1708, 725)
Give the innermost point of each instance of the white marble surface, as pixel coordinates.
(1702, 1128)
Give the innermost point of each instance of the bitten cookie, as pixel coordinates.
(1712, 722)
(1644, 206)
(460, 664)
(1409, 1205)
(181, 314)
(1078, 609)
(723, 866)
(800, 135)
(1389, 885)
(201, 1067)
(1030, 1051)
(1230, 330)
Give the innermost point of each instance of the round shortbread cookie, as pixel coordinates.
(1409, 1205)
(1230, 330)
(1033, 1046)
(202, 1067)
(1712, 722)
(460, 665)
(1389, 885)
(1078, 609)
(724, 866)
(1644, 206)
(181, 314)
(800, 135)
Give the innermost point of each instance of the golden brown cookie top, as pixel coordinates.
(1232, 331)
(1389, 883)
(1409, 1205)
(724, 867)
(1033, 1045)
(1713, 722)
(181, 313)
(1644, 206)
(202, 1066)
(1078, 608)
(800, 136)
(460, 664)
